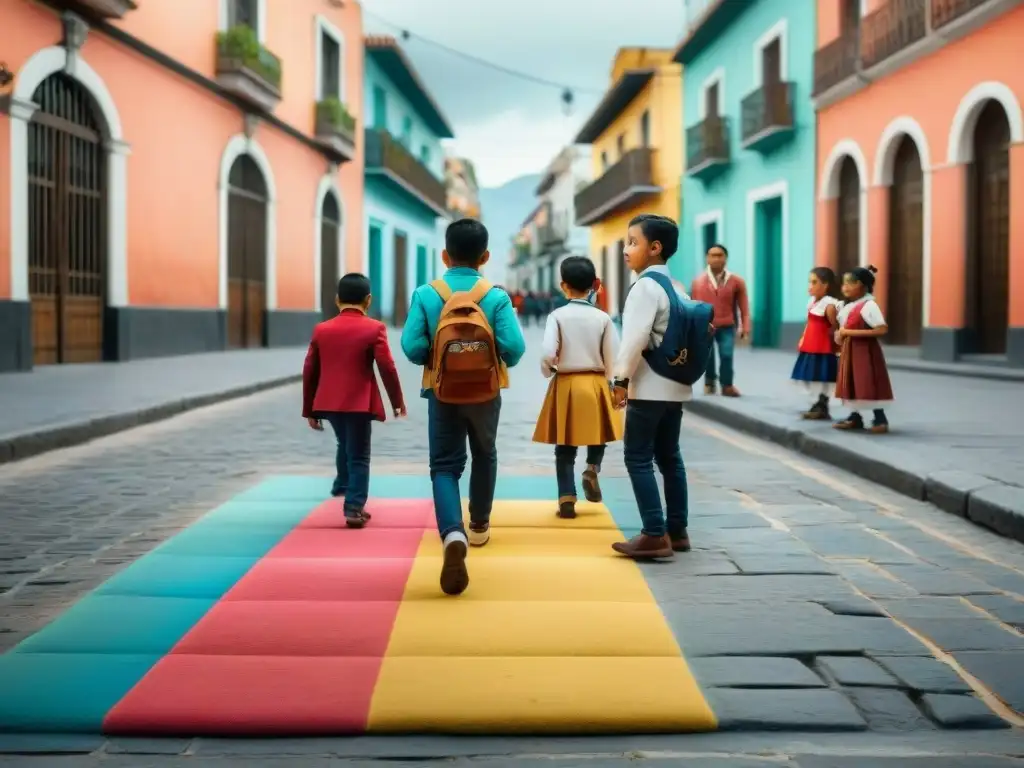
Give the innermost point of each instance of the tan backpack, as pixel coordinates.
(464, 366)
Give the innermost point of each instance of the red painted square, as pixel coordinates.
(300, 628)
(386, 513)
(366, 542)
(186, 695)
(324, 578)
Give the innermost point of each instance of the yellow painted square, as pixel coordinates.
(601, 579)
(532, 513)
(505, 695)
(546, 542)
(517, 628)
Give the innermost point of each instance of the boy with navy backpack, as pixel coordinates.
(666, 339)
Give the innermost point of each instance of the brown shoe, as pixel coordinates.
(454, 574)
(813, 415)
(848, 424)
(644, 547)
(680, 543)
(567, 507)
(591, 487)
(878, 429)
(356, 517)
(730, 391)
(710, 389)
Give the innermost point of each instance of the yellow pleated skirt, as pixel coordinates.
(578, 411)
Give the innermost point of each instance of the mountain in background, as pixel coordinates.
(503, 210)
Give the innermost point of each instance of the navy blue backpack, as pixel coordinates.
(684, 351)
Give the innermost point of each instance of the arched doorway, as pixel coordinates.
(848, 224)
(906, 246)
(67, 224)
(330, 232)
(247, 253)
(989, 260)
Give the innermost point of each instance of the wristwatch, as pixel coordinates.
(623, 383)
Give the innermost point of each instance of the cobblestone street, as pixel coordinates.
(814, 601)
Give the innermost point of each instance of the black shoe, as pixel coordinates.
(567, 509)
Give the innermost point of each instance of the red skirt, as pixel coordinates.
(863, 379)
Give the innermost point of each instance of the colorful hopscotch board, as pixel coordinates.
(269, 617)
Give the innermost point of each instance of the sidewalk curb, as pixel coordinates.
(985, 502)
(30, 444)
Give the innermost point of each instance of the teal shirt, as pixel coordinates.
(425, 311)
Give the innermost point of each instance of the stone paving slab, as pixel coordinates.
(956, 442)
(62, 405)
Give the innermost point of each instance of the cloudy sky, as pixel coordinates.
(506, 125)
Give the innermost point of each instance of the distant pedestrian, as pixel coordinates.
(578, 354)
(863, 378)
(464, 333)
(727, 292)
(816, 364)
(339, 387)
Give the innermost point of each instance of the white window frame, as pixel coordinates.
(718, 76)
(261, 19)
(324, 27)
(778, 31)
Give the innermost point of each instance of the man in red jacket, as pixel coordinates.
(728, 294)
(339, 387)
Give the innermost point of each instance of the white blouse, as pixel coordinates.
(818, 306)
(871, 312)
(578, 337)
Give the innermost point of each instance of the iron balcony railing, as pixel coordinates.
(633, 173)
(891, 28)
(707, 142)
(385, 153)
(769, 107)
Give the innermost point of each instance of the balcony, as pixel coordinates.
(247, 69)
(621, 186)
(945, 12)
(836, 62)
(892, 28)
(707, 148)
(98, 9)
(554, 232)
(336, 128)
(388, 157)
(767, 117)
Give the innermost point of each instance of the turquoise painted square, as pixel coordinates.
(65, 693)
(204, 539)
(270, 515)
(178, 576)
(118, 624)
(288, 488)
(401, 486)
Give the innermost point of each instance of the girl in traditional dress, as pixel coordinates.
(816, 365)
(863, 380)
(578, 354)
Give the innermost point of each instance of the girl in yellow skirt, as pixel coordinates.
(578, 354)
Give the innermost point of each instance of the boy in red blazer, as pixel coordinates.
(339, 387)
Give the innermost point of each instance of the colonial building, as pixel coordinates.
(405, 178)
(181, 177)
(635, 134)
(463, 188)
(750, 138)
(525, 270)
(558, 234)
(921, 166)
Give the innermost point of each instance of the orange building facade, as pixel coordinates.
(177, 177)
(921, 166)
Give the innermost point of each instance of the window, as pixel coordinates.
(425, 154)
(771, 62)
(407, 131)
(711, 101)
(604, 161)
(380, 108)
(620, 144)
(330, 66)
(645, 129)
(244, 12)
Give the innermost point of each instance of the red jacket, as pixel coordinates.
(728, 299)
(338, 374)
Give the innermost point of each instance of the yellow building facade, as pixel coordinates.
(636, 139)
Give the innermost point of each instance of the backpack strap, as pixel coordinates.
(479, 290)
(443, 289)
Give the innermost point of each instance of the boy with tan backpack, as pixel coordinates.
(465, 334)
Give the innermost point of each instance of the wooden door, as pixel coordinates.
(247, 254)
(848, 225)
(67, 225)
(401, 310)
(850, 19)
(771, 63)
(905, 303)
(990, 257)
(330, 232)
(625, 276)
(711, 104)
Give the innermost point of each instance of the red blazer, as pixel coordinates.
(338, 374)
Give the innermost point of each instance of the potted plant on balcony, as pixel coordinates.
(239, 52)
(332, 117)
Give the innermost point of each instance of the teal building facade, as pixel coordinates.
(749, 155)
(405, 203)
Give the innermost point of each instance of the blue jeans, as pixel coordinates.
(652, 437)
(565, 466)
(352, 460)
(725, 339)
(449, 428)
